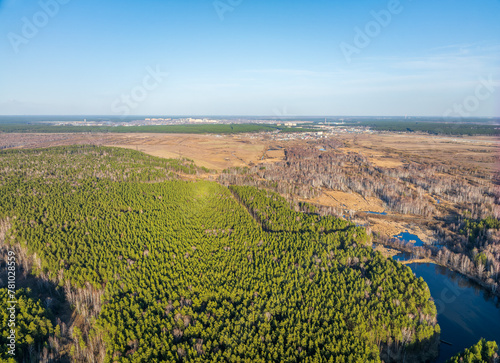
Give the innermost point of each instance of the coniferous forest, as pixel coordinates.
(158, 268)
(482, 352)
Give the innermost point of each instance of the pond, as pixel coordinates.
(379, 213)
(466, 311)
(408, 237)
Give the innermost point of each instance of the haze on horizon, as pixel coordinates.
(240, 57)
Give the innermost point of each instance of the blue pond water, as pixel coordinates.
(403, 256)
(466, 311)
(379, 213)
(407, 237)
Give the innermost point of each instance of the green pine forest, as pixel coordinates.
(34, 325)
(161, 269)
(482, 352)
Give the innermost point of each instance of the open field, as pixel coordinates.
(211, 151)
(388, 150)
(392, 150)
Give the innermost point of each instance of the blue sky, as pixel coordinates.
(250, 57)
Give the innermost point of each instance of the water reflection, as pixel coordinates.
(466, 311)
(408, 237)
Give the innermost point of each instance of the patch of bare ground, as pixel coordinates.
(272, 156)
(386, 251)
(387, 162)
(418, 260)
(351, 201)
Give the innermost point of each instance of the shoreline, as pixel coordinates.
(389, 251)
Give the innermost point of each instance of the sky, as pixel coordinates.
(250, 57)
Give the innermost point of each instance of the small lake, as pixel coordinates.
(378, 213)
(408, 237)
(466, 311)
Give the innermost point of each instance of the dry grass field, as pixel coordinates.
(352, 201)
(218, 152)
(211, 151)
(392, 149)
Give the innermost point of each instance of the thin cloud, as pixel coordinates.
(291, 72)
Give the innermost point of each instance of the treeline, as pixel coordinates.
(167, 129)
(180, 271)
(479, 231)
(275, 214)
(434, 128)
